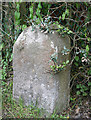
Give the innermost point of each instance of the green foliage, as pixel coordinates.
(55, 67)
(17, 15)
(82, 89)
(87, 48)
(58, 117)
(62, 29)
(77, 58)
(65, 13)
(73, 20)
(31, 11)
(17, 110)
(24, 27)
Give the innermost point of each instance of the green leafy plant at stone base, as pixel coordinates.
(19, 110)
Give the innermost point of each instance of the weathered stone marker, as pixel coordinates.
(32, 80)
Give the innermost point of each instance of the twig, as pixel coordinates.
(74, 52)
(6, 34)
(86, 23)
(75, 76)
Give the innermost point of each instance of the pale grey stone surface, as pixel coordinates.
(32, 80)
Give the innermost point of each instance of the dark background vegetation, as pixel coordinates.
(75, 20)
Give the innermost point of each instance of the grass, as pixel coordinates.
(13, 109)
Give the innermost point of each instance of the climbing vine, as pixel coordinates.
(70, 20)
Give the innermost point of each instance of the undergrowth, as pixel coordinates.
(13, 109)
(74, 23)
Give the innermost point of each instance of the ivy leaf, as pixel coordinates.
(17, 15)
(78, 86)
(67, 11)
(69, 32)
(39, 5)
(90, 93)
(87, 48)
(76, 63)
(60, 17)
(67, 61)
(89, 83)
(63, 16)
(17, 22)
(3, 83)
(38, 21)
(17, 7)
(24, 27)
(11, 58)
(38, 12)
(31, 11)
(78, 92)
(77, 5)
(88, 38)
(77, 58)
(52, 67)
(85, 94)
(1, 46)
